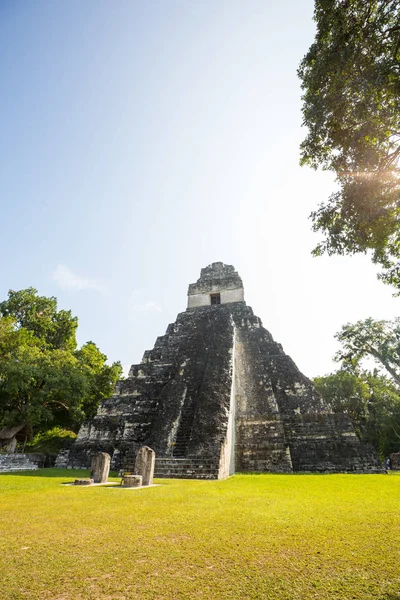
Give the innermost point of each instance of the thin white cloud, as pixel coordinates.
(68, 280)
(148, 307)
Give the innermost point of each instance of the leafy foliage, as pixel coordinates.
(38, 314)
(351, 106)
(38, 386)
(101, 377)
(345, 392)
(369, 338)
(372, 402)
(51, 441)
(44, 380)
(372, 399)
(382, 428)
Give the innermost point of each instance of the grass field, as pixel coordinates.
(249, 537)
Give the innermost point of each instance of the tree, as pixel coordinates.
(44, 380)
(101, 377)
(351, 106)
(38, 314)
(38, 386)
(379, 340)
(345, 392)
(372, 399)
(382, 428)
(372, 402)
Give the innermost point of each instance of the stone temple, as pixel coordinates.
(217, 395)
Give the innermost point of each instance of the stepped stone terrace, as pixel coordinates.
(217, 395)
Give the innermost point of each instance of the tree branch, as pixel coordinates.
(387, 366)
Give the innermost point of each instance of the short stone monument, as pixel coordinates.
(132, 481)
(144, 465)
(85, 481)
(100, 467)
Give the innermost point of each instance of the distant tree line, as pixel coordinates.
(46, 381)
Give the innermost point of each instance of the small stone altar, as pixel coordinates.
(132, 481)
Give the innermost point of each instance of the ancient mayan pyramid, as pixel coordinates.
(217, 395)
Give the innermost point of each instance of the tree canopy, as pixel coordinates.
(345, 392)
(379, 340)
(370, 397)
(372, 402)
(44, 380)
(351, 106)
(39, 315)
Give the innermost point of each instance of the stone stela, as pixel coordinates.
(144, 464)
(217, 395)
(100, 468)
(143, 470)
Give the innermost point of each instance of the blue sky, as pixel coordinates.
(141, 141)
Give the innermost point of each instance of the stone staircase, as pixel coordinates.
(261, 445)
(180, 446)
(184, 433)
(21, 462)
(186, 468)
(177, 468)
(62, 459)
(327, 443)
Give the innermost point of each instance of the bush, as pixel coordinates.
(51, 441)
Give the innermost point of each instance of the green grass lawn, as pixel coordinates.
(251, 536)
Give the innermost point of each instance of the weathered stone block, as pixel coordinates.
(144, 465)
(133, 481)
(100, 467)
(85, 481)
